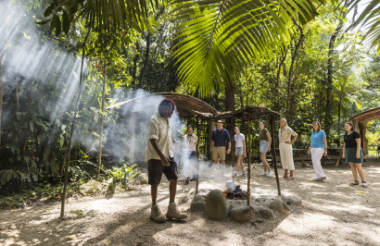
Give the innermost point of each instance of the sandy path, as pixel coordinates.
(333, 213)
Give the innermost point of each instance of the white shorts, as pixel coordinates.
(239, 151)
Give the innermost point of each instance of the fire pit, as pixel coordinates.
(234, 191)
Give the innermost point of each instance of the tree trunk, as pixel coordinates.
(146, 56)
(2, 74)
(277, 105)
(330, 73)
(339, 108)
(73, 126)
(17, 108)
(102, 119)
(135, 59)
(290, 75)
(230, 104)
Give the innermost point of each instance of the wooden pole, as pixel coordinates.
(197, 168)
(73, 125)
(210, 126)
(133, 136)
(274, 155)
(249, 162)
(233, 148)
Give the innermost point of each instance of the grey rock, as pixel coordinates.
(192, 191)
(216, 205)
(197, 204)
(143, 178)
(293, 200)
(280, 206)
(266, 214)
(91, 187)
(242, 213)
(184, 199)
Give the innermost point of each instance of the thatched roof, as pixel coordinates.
(186, 105)
(367, 116)
(254, 112)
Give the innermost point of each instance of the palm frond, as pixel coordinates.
(221, 37)
(102, 14)
(369, 20)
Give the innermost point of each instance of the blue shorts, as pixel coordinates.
(264, 146)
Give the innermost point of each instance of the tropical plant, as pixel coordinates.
(369, 20)
(219, 38)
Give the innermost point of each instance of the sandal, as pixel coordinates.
(355, 183)
(364, 184)
(291, 178)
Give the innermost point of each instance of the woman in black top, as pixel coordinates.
(353, 153)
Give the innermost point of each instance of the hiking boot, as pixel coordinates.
(243, 173)
(173, 212)
(270, 173)
(156, 215)
(187, 180)
(264, 174)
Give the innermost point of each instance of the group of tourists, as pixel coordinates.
(160, 157)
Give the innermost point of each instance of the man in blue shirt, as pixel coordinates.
(218, 143)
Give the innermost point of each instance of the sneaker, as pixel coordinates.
(194, 178)
(243, 173)
(187, 180)
(264, 173)
(234, 174)
(173, 212)
(270, 173)
(156, 215)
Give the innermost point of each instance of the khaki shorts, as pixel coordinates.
(219, 152)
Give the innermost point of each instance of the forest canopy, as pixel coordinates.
(308, 60)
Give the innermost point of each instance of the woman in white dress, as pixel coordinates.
(286, 150)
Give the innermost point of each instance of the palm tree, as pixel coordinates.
(346, 88)
(219, 38)
(103, 14)
(369, 19)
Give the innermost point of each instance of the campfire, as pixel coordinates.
(234, 191)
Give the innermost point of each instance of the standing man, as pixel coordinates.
(160, 158)
(218, 143)
(190, 141)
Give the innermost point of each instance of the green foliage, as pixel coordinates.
(123, 174)
(369, 20)
(220, 38)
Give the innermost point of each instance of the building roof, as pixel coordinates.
(367, 116)
(254, 112)
(186, 104)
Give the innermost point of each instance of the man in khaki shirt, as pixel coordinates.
(160, 158)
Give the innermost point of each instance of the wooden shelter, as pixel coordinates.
(359, 121)
(190, 107)
(245, 115)
(186, 104)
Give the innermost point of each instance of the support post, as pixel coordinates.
(249, 161)
(197, 168)
(210, 126)
(274, 155)
(133, 131)
(233, 148)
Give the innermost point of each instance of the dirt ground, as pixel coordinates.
(333, 213)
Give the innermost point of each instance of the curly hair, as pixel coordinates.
(166, 107)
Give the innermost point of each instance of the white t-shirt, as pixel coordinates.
(239, 140)
(158, 128)
(190, 142)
